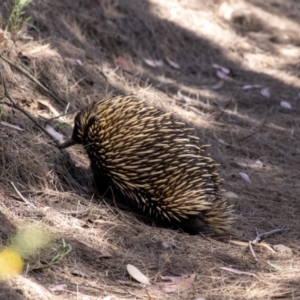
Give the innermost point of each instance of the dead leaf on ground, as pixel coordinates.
(251, 86)
(172, 63)
(11, 126)
(57, 288)
(275, 266)
(266, 92)
(239, 243)
(235, 271)
(245, 177)
(153, 63)
(223, 69)
(55, 134)
(256, 165)
(221, 141)
(74, 61)
(135, 273)
(223, 76)
(285, 104)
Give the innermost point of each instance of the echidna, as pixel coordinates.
(152, 159)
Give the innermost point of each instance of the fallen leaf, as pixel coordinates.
(225, 77)
(221, 74)
(74, 61)
(286, 105)
(165, 245)
(11, 126)
(221, 141)
(235, 271)
(245, 177)
(276, 267)
(172, 63)
(266, 92)
(256, 165)
(223, 69)
(153, 63)
(57, 288)
(137, 274)
(239, 243)
(251, 86)
(55, 134)
(242, 164)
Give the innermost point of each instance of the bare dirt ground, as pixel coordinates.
(230, 69)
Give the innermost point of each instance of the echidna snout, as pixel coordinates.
(152, 159)
(67, 144)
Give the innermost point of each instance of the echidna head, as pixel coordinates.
(82, 122)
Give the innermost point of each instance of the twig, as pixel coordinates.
(226, 106)
(27, 74)
(260, 127)
(16, 106)
(267, 247)
(264, 235)
(62, 115)
(22, 197)
(252, 251)
(67, 108)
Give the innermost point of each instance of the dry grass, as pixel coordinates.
(110, 40)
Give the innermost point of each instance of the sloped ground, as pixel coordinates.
(165, 52)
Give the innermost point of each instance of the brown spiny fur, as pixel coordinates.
(152, 159)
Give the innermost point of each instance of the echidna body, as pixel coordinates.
(152, 159)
